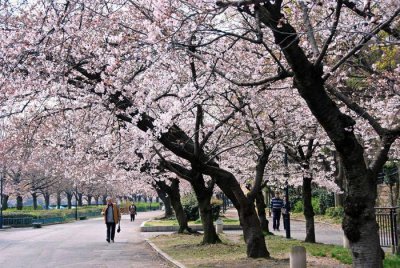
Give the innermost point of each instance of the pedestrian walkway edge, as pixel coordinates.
(164, 255)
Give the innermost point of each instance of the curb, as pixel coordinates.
(164, 255)
(175, 228)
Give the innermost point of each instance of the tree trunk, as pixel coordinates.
(167, 202)
(308, 211)
(34, 200)
(339, 180)
(180, 214)
(253, 235)
(19, 202)
(261, 206)
(79, 199)
(89, 199)
(203, 195)
(46, 200)
(167, 206)
(5, 201)
(175, 198)
(104, 199)
(58, 200)
(96, 200)
(359, 222)
(69, 199)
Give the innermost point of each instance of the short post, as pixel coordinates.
(346, 243)
(219, 226)
(298, 257)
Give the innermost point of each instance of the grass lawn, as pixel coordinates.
(232, 252)
(317, 218)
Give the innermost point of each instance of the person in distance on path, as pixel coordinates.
(276, 207)
(132, 211)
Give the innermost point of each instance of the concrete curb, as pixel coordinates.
(176, 228)
(164, 255)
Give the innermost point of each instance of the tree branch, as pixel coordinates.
(330, 38)
(310, 30)
(281, 75)
(361, 44)
(357, 109)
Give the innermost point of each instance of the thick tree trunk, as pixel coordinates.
(46, 200)
(359, 222)
(96, 200)
(209, 233)
(89, 199)
(19, 202)
(34, 200)
(69, 199)
(104, 199)
(261, 206)
(58, 200)
(308, 211)
(253, 235)
(5, 201)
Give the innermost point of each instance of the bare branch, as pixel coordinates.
(358, 109)
(330, 38)
(361, 44)
(282, 75)
(238, 3)
(366, 13)
(382, 154)
(310, 30)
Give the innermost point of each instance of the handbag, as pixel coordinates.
(119, 227)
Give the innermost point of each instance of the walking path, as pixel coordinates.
(79, 244)
(324, 233)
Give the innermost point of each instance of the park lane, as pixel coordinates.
(78, 244)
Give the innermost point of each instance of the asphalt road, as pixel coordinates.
(78, 244)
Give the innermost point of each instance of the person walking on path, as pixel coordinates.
(112, 216)
(132, 211)
(276, 207)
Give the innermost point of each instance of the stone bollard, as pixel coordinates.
(219, 226)
(298, 257)
(346, 243)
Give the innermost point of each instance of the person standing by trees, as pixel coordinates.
(132, 211)
(112, 216)
(276, 206)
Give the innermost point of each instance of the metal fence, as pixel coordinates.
(386, 217)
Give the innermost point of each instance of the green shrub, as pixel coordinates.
(315, 204)
(50, 213)
(391, 261)
(335, 212)
(191, 207)
(298, 206)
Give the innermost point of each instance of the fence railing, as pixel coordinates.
(386, 217)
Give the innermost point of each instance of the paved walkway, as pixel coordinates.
(78, 244)
(324, 233)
